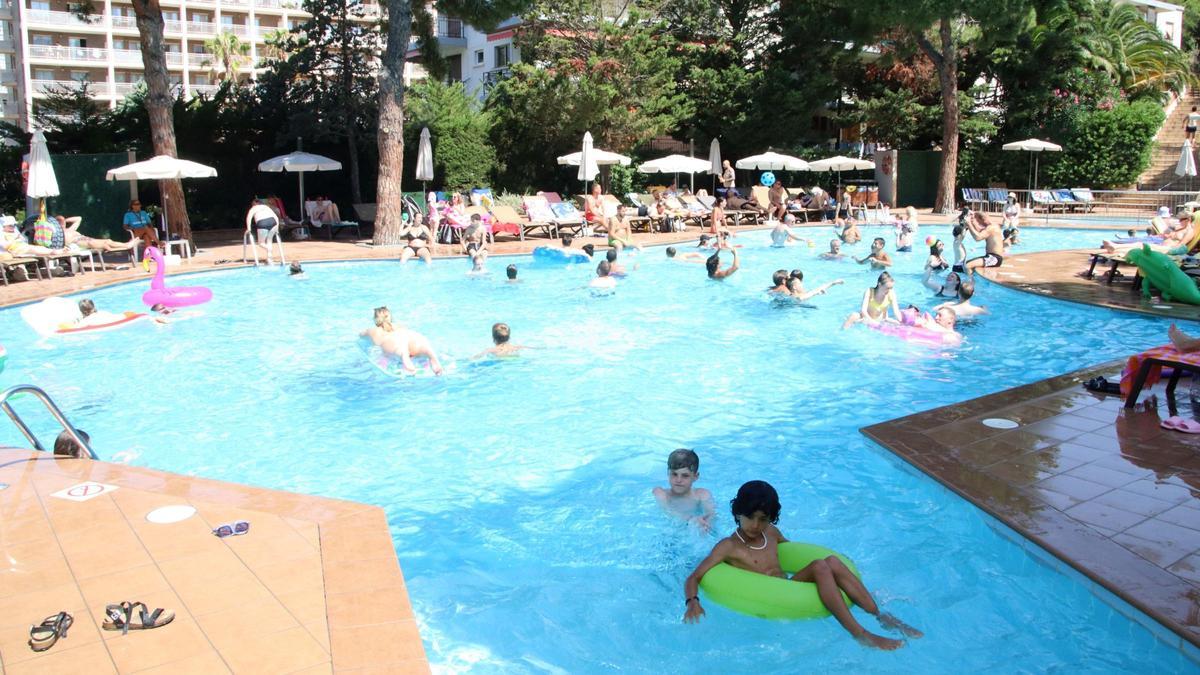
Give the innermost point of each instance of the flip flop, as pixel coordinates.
(43, 637)
(1187, 426)
(120, 617)
(1172, 423)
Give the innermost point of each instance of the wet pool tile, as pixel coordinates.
(1079, 488)
(1104, 516)
(1101, 475)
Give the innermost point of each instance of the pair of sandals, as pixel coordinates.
(1100, 385)
(117, 617)
(1177, 423)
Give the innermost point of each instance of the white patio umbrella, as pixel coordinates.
(674, 164)
(162, 167)
(42, 182)
(840, 164)
(299, 162)
(601, 158)
(424, 159)
(772, 161)
(1032, 145)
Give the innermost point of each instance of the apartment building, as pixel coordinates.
(475, 57)
(43, 44)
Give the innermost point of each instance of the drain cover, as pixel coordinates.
(1000, 423)
(171, 514)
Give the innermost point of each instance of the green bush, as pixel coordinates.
(463, 157)
(1107, 147)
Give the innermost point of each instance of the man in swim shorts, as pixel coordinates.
(680, 499)
(754, 546)
(963, 307)
(983, 229)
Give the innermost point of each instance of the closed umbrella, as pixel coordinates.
(840, 164)
(424, 159)
(299, 163)
(714, 161)
(1032, 145)
(162, 167)
(1187, 162)
(42, 182)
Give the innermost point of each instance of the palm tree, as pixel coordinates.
(1115, 39)
(229, 51)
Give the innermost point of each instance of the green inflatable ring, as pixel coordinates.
(772, 597)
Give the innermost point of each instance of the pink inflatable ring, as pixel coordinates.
(159, 293)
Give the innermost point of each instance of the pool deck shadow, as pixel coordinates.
(1106, 490)
(313, 587)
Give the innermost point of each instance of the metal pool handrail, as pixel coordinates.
(49, 403)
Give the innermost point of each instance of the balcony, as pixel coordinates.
(128, 57)
(74, 54)
(44, 17)
(124, 89)
(493, 76)
(175, 59)
(126, 23)
(202, 28)
(42, 87)
(449, 28)
(206, 89)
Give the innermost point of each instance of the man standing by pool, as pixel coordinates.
(986, 231)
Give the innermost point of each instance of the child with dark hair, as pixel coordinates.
(680, 499)
(603, 280)
(66, 446)
(511, 271)
(779, 281)
(754, 546)
(687, 256)
(615, 268)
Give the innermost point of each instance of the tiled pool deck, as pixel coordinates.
(313, 587)
(1109, 491)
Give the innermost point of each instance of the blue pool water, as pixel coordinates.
(519, 493)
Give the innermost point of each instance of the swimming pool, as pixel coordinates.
(518, 494)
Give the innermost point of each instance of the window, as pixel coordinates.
(40, 5)
(199, 17)
(502, 56)
(43, 74)
(168, 15)
(200, 79)
(45, 40)
(77, 42)
(479, 57)
(171, 47)
(79, 75)
(226, 20)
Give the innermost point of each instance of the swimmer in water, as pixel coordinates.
(680, 499)
(401, 342)
(945, 289)
(835, 250)
(603, 280)
(754, 546)
(511, 273)
(713, 265)
(780, 283)
(876, 303)
(501, 348)
(689, 256)
(878, 257)
(795, 286)
(295, 271)
(963, 307)
(781, 234)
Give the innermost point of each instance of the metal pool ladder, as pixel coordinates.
(46, 401)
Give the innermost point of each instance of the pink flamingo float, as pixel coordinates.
(177, 296)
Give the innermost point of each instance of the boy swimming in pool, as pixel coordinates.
(754, 546)
(503, 348)
(680, 499)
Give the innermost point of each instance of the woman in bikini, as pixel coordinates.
(417, 237)
(876, 303)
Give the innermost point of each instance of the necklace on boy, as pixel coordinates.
(738, 532)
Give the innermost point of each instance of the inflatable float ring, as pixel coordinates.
(767, 597)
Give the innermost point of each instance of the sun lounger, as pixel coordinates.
(997, 197)
(973, 197)
(311, 208)
(11, 264)
(539, 211)
(1043, 199)
(1065, 198)
(1145, 369)
(507, 215)
(1085, 198)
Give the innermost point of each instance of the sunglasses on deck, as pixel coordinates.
(232, 529)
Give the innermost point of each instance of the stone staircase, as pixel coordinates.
(1168, 146)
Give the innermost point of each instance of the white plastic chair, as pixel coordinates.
(249, 239)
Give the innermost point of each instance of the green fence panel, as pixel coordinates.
(85, 192)
(917, 173)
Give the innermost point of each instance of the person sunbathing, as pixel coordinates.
(1182, 341)
(15, 244)
(72, 237)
